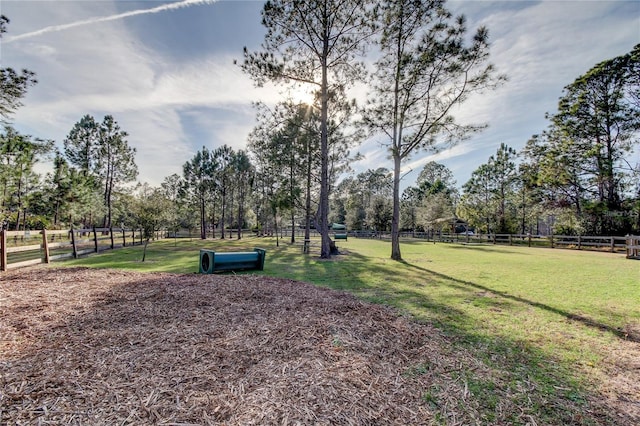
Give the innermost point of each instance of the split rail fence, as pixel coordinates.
(629, 244)
(24, 248)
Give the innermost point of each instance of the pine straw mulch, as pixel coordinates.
(84, 346)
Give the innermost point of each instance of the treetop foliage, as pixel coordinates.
(304, 36)
(13, 84)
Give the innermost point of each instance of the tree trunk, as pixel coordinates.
(144, 251)
(231, 213)
(19, 201)
(325, 245)
(56, 212)
(240, 214)
(524, 211)
(395, 221)
(24, 219)
(292, 162)
(213, 220)
(203, 222)
(307, 207)
(275, 226)
(398, 123)
(224, 205)
(107, 189)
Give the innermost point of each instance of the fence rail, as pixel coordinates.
(612, 244)
(24, 248)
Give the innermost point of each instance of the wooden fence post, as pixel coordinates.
(45, 246)
(124, 238)
(633, 247)
(73, 243)
(3, 247)
(579, 242)
(613, 245)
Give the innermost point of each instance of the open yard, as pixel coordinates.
(455, 335)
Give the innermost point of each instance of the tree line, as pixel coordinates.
(582, 172)
(295, 169)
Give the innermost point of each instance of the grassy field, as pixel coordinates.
(549, 318)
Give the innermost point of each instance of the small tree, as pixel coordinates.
(198, 177)
(116, 161)
(244, 174)
(380, 213)
(150, 212)
(223, 177)
(171, 189)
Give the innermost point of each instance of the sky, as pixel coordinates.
(165, 71)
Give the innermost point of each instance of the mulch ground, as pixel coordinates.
(85, 346)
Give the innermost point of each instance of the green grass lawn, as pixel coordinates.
(545, 316)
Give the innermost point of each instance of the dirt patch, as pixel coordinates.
(85, 346)
(632, 332)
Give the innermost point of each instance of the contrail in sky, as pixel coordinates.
(165, 7)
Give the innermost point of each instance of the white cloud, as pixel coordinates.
(161, 144)
(212, 81)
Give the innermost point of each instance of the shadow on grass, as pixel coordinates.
(574, 317)
(556, 391)
(485, 247)
(463, 245)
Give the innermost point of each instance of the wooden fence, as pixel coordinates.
(627, 244)
(577, 242)
(24, 248)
